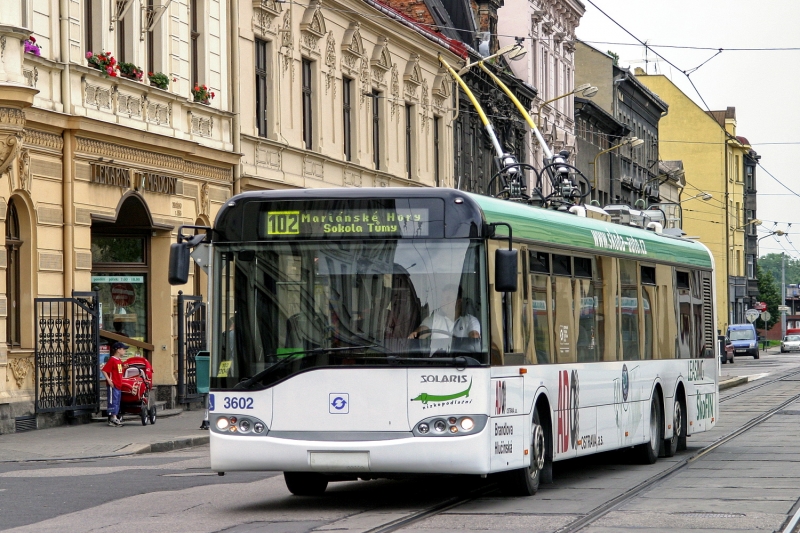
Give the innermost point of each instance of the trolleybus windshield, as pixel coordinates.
(285, 306)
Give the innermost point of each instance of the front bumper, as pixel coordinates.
(470, 454)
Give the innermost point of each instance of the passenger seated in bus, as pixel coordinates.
(439, 325)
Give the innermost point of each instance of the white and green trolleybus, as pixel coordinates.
(363, 333)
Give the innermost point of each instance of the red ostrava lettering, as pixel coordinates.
(562, 441)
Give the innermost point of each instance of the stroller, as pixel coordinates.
(137, 382)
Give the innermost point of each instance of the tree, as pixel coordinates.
(772, 264)
(615, 57)
(770, 293)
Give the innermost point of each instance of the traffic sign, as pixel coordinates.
(765, 316)
(761, 306)
(784, 308)
(751, 315)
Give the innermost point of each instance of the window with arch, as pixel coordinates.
(13, 244)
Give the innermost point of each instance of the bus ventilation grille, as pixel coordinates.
(25, 423)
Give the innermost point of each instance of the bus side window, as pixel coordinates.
(514, 318)
(564, 332)
(609, 267)
(666, 326)
(629, 309)
(587, 309)
(685, 340)
(541, 306)
(649, 308)
(525, 307)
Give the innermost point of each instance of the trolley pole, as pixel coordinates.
(783, 295)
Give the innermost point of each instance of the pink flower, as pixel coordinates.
(88, 55)
(110, 70)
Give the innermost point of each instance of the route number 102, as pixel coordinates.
(283, 222)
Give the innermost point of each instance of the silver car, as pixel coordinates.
(790, 343)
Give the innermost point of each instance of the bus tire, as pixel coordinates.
(648, 451)
(305, 483)
(525, 481)
(684, 427)
(671, 444)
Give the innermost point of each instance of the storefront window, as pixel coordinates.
(120, 277)
(123, 304)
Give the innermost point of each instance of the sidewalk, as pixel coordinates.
(97, 439)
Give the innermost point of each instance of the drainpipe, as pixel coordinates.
(236, 132)
(64, 45)
(69, 213)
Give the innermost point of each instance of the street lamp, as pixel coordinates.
(587, 90)
(705, 196)
(514, 52)
(778, 232)
(630, 141)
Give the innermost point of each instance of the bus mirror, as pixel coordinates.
(179, 263)
(505, 270)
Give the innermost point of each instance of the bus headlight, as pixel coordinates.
(239, 425)
(450, 426)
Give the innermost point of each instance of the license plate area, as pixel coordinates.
(339, 461)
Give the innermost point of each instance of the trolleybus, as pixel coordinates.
(363, 333)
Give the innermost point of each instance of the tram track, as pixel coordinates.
(615, 503)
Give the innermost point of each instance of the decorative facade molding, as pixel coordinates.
(313, 168)
(12, 116)
(352, 50)
(31, 76)
(96, 96)
(156, 113)
(381, 61)
(267, 157)
(441, 90)
(9, 149)
(129, 105)
(205, 200)
(395, 89)
(161, 161)
(24, 170)
(20, 366)
(287, 43)
(264, 12)
(202, 126)
(42, 139)
(312, 28)
(412, 77)
(330, 62)
(351, 177)
(426, 103)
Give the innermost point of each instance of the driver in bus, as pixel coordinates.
(438, 325)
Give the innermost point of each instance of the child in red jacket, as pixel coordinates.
(112, 371)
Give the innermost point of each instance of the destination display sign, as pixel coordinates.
(394, 219)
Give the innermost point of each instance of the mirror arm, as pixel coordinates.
(494, 225)
(193, 240)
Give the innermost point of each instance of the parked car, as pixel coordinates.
(744, 339)
(726, 356)
(790, 343)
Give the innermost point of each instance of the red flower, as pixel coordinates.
(213, 95)
(32, 39)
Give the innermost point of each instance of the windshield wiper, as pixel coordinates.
(289, 358)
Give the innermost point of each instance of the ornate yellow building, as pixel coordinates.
(101, 163)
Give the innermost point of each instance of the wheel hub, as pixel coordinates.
(537, 461)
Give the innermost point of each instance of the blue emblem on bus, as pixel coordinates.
(210, 402)
(339, 403)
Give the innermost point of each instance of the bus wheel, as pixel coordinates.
(305, 483)
(684, 429)
(671, 444)
(525, 481)
(648, 452)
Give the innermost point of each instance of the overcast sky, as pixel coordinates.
(762, 85)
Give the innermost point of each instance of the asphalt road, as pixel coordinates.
(747, 484)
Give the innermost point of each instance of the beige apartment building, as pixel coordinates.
(98, 170)
(350, 94)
